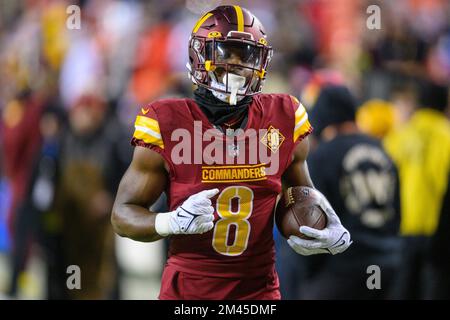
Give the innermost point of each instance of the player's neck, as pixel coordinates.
(219, 112)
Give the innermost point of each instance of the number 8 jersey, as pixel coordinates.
(246, 165)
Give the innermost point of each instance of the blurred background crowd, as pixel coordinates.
(68, 99)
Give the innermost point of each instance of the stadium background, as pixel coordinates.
(128, 53)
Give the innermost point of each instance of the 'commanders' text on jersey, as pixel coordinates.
(241, 242)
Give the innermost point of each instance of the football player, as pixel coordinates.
(220, 221)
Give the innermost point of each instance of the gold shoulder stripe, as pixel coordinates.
(200, 22)
(302, 125)
(148, 123)
(147, 138)
(294, 99)
(240, 18)
(302, 130)
(147, 130)
(300, 114)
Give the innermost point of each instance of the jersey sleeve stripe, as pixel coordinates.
(147, 123)
(147, 130)
(301, 121)
(299, 112)
(148, 136)
(295, 100)
(302, 126)
(302, 130)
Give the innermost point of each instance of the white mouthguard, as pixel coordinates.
(235, 83)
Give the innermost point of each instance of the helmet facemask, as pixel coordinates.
(230, 68)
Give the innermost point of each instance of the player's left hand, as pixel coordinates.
(334, 239)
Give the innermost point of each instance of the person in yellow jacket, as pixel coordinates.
(421, 151)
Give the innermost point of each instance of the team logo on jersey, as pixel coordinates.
(234, 173)
(273, 139)
(211, 147)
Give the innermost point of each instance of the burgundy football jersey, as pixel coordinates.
(245, 165)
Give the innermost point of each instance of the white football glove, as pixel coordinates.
(194, 216)
(333, 239)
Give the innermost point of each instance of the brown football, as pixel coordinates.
(299, 206)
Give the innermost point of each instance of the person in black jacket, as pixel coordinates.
(359, 179)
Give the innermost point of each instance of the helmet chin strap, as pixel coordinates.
(236, 84)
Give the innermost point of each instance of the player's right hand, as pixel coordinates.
(194, 216)
(334, 239)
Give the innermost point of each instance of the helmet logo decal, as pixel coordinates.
(263, 41)
(214, 34)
